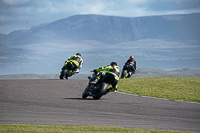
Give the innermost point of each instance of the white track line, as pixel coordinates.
(155, 97)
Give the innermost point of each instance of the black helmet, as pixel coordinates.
(113, 64)
(78, 54)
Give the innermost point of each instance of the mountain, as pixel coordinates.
(112, 29)
(160, 42)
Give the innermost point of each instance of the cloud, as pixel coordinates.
(15, 2)
(14, 14)
(173, 5)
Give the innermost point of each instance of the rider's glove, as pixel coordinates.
(95, 70)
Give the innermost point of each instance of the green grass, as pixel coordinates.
(8, 128)
(175, 88)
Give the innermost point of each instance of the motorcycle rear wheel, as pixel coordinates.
(66, 73)
(124, 73)
(102, 90)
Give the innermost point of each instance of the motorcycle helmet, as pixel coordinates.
(78, 54)
(113, 64)
(131, 57)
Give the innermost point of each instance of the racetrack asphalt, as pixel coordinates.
(59, 102)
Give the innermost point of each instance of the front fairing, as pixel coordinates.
(92, 85)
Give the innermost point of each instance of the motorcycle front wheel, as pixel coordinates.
(85, 94)
(61, 75)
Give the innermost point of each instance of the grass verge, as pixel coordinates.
(8, 128)
(175, 88)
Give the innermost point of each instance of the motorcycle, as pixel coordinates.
(96, 89)
(67, 70)
(127, 70)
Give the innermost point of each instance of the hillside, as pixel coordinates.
(142, 72)
(112, 29)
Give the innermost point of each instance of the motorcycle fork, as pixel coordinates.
(95, 88)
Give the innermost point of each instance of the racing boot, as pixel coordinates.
(114, 90)
(129, 74)
(108, 90)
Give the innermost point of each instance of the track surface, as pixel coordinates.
(59, 102)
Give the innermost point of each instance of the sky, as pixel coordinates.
(24, 14)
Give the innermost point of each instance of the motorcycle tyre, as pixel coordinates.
(124, 73)
(102, 90)
(61, 75)
(85, 94)
(66, 73)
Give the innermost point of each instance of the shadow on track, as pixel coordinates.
(79, 98)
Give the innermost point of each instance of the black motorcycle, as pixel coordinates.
(95, 87)
(127, 71)
(67, 71)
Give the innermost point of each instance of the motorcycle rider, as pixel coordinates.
(111, 76)
(77, 62)
(131, 63)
